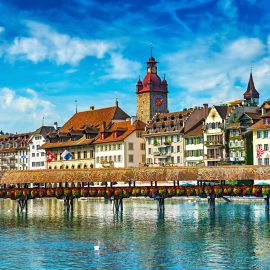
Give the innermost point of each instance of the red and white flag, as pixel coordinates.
(50, 157)
(260, 152)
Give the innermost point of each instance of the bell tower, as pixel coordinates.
(152, 93)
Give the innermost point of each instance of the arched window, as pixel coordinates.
(50, 168)
(55, 167)
(67, 167)
(72, 167)
(79, 166)
(85, 166)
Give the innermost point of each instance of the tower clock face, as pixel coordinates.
(159, 101)
(154, 69)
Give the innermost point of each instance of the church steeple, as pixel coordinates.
(251, 95)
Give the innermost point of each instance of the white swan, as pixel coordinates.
(96, 248)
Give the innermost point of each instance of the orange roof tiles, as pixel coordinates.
(127, 129)
(259, 125)
(93, 118)
(69, 143)
(197, 131)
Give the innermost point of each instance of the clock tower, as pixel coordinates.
(151, 93)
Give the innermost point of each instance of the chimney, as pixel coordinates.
(55, 125)
(92, 108)
(205, 108)
(133, 119)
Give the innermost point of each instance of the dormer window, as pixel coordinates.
(266, 121)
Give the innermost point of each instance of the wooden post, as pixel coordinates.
(151, 183)
(134, 184)
(155, 183)
(211, 202)
(266, 202)
(178, 183)
(117, 204)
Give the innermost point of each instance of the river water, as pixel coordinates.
(187, 236)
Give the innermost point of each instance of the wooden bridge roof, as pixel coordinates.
(161, 174)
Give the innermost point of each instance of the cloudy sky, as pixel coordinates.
(55, 52)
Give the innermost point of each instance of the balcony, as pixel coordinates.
(214, 143)
(213, 157)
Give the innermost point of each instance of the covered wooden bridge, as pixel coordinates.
(158, 183)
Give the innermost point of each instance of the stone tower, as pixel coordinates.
(151, 93)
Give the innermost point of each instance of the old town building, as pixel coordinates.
(14, 153)
(164, 139)
(151, 93)
(260, 132)
(214, 135)
(37, 155)
(193, 134)
(77, 135)
(120, 145)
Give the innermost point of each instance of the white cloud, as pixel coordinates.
(45, 43)
(215, 75)
(121, 68)
(23, 112)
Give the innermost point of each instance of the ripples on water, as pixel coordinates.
(236, 236)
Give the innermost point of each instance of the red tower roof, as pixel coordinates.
(151, 81)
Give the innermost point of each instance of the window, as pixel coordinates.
(33, 147)
(266, 161)
(265, 133)
(73, 155)
(119, 158)
(97, 159)
(79, 155)
(119, 146)
(259, 134)
(38, 147)
(130, 146)
(178, 159)
(110, 147)
(42, 154)
(142, 146)
(33, 154)
(91, 154)
(85, 154)
(37, 154)
(149, 151)
(265, 147)
(130, 158)
(139, 134)
(178, 148)
(106, 147)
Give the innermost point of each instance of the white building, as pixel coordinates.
(37, 156)
(121, 145)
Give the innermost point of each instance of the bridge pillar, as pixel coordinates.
(160, 204)
(21, 204)
(211, 202)
(68, 203)
(266, 202)
(117, 204)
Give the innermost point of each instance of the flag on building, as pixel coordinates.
(50, 157)
(66, 155)
(260, 152)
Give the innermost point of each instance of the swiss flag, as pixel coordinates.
(50, 157)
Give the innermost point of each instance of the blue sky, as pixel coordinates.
(55, 52)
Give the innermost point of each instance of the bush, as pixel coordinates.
(199, 191)
(265, 191)
(144, 192)
(180, 191)
(227, 190)
(84, 192)
(208, 190)
(237, 191)
(189, 191)
(256, 191)
(246, 190)
(218, 190)
(76, 193)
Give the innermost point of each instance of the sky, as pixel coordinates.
(54, 53)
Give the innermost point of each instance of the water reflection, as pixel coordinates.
(185, 236)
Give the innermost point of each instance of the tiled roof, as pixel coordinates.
(254, 116)
(93, 118)
(69, 143)
(259, 125)
(195, 131)
(223, 111)
(265, 115)
(44, 130)
(125, 127)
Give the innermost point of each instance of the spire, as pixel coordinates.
(251, 90)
